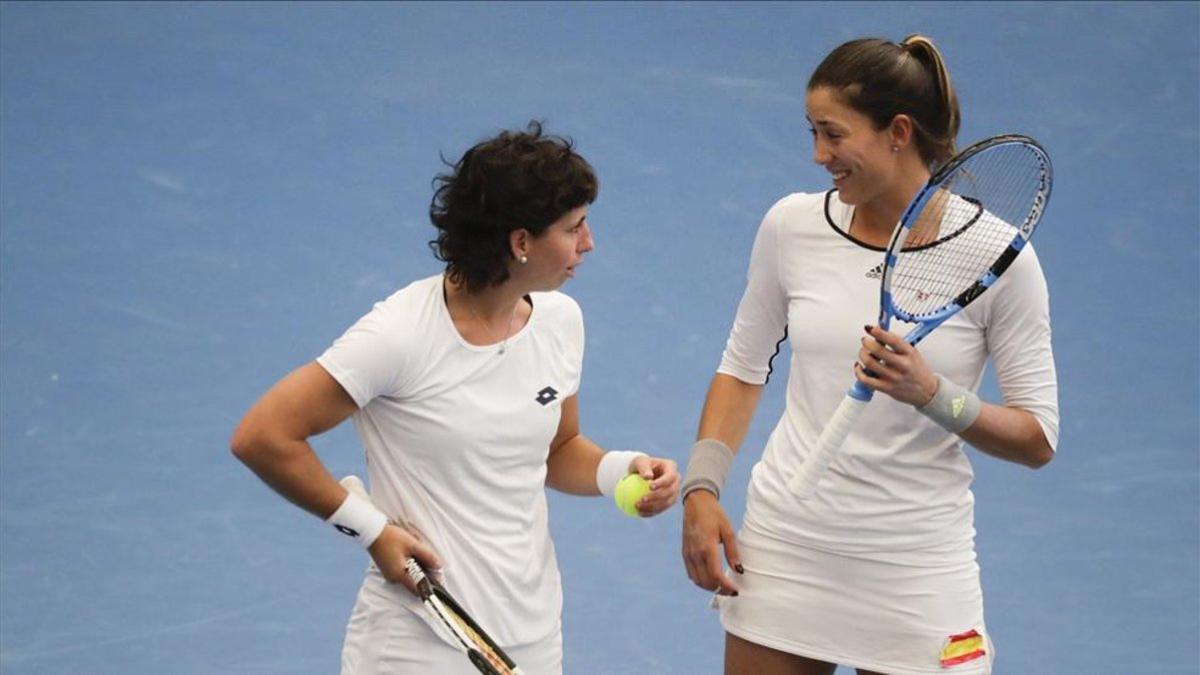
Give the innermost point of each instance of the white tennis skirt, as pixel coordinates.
(385, 637)
(861, 613)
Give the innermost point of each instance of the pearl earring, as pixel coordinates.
(895, 148)
(523, 260)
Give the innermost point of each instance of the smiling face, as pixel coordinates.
(859, 157)
(553, 257)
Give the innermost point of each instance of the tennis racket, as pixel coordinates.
(484, 653)
(957, 236)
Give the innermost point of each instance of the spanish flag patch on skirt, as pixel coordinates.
(962, 648)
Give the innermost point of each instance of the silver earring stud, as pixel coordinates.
(895, 148)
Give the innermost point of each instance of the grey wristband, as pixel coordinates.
(707, 468)
(953, 407)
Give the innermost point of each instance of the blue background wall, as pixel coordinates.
(194, 199)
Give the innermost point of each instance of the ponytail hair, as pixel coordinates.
(882, 79)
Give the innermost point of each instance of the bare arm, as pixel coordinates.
(571, 467)
(574, 459)
(900, 371)
(728, 410)
(1010, 434)
(726, 417)
(272, 439)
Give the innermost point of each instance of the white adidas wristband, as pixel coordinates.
(614, 466)
(358, 519)
(953, 407)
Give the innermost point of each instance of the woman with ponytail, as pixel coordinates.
(877, 571)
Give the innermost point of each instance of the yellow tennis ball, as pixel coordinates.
(630, 489)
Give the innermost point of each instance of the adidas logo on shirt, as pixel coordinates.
(875, 272)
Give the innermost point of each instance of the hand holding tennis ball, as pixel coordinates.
(651, 481)
(630, 489)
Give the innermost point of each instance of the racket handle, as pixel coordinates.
(804, 483)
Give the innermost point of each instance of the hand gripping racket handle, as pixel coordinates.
(804, 483)
(428, 589)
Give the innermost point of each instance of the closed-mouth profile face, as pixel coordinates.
(554, 256)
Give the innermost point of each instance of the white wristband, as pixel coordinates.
(358, 519)
(614, 466)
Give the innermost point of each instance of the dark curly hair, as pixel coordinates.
(518, 179)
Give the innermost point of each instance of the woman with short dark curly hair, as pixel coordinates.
(515, 181)
(462, 387)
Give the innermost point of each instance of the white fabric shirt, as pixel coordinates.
(900, 486)
(456, 438)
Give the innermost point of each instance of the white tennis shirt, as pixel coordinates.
(900, 488)
(456, 438)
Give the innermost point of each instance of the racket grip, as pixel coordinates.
(804, 483)
(417, 574)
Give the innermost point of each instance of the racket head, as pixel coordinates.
(963, 230)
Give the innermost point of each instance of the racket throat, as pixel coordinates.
(860, 392)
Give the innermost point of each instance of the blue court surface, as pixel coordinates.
(197, 198)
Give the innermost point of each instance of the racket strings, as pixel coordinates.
(965, 226)
(487, 657)
(480, 643)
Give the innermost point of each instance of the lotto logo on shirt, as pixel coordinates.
(546, 395)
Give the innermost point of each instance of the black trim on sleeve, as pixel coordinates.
(771, 361)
